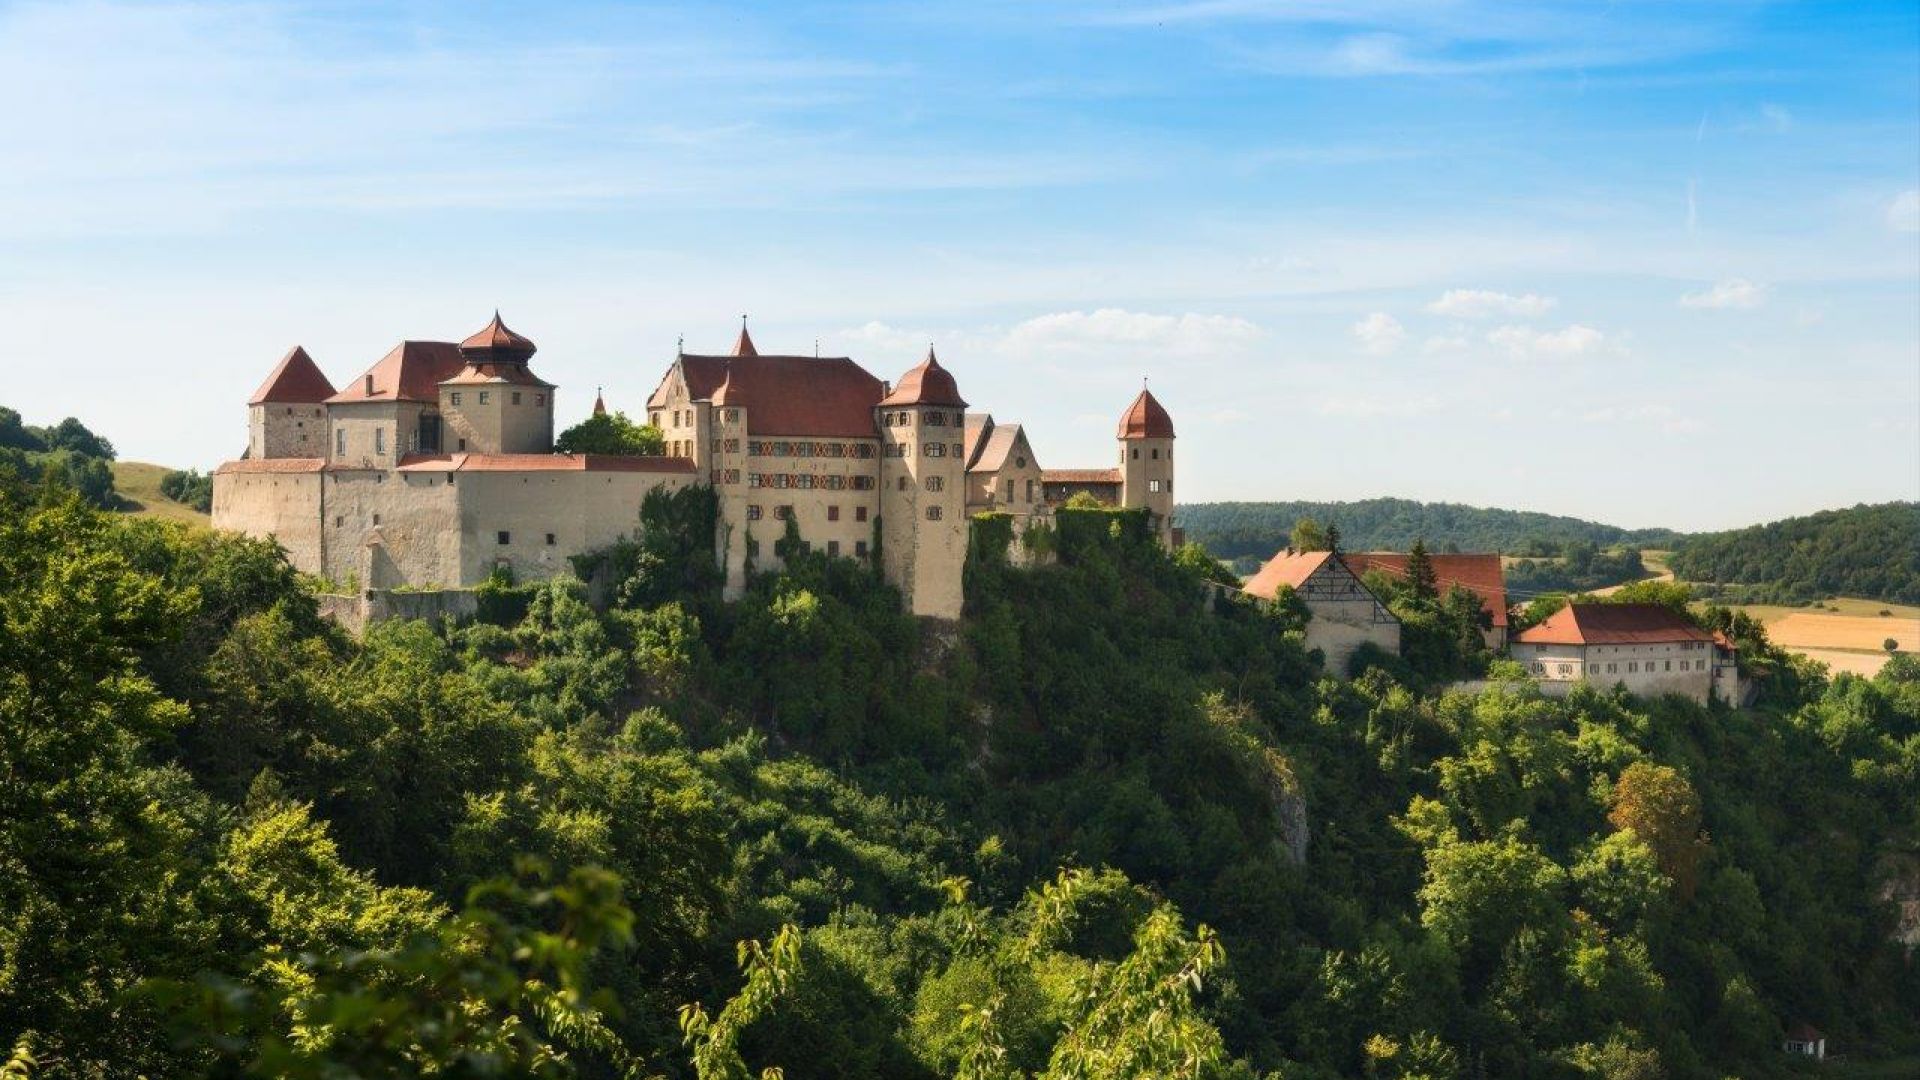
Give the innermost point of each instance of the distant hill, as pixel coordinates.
(1865, 551)
(1258, 529)
(138, 486)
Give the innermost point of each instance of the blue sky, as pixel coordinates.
(1652, 263)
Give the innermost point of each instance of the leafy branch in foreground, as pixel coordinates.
(500, 989)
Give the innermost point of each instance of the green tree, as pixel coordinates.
(1420, 576)
(1661, 808)
(1308, 535)
(610, 433)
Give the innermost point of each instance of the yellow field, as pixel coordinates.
(1849, 639)
(138, 485)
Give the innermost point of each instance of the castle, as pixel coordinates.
(436, 466)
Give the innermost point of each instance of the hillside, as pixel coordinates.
(1258, 529)
(1100, 815)
(1871, 552)
(138, 486)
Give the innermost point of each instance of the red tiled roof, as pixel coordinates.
(1804, 1032)
(413, 371)
(599, 403)
(978, 425)
(496, 341)
(1146, 419)
(543, 463)
(296, 380)
(1477, 573)
(273, 465)
(998, 446)
(1290, 568)
(744, 346)
(1080, 476)
(1612, 624)
(927, 384)
(788, 395)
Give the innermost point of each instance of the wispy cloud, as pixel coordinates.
(1379, 333)
(1484, 303)
(1528, 343)
(1735, 293)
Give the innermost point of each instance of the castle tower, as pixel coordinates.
(923, 527)
(286, 417)
(1146, 462)
(495, 404)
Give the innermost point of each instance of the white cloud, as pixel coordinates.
(1731, 293)
(1775, 118)
(1379, 333)
(1903, 214)
(1525, 341)
(1445, 343)
(1481, 303)
(882, 336)
(1190, 334)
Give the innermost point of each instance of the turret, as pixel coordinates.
(496, 404)
(1146, 461)
(923, 528)
(286, 417)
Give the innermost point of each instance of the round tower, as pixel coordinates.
(1146, 461)
(923, 526)
(496, 404)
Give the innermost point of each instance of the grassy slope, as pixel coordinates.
(138, 485)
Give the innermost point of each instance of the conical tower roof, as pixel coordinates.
(927, 384)
(497, 343)
(296, 379)
(744, 346)
(1146, 418)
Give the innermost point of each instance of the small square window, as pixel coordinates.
(833, 513)
(753, 512)
(516, 397)
(550, 540)
(463, 446)
(859, 513)
(376, 519)
(456, 397)
(483, 397)
(539, 399)
(503, 537)
(1153, 485)
(833, 548)
(860, 548)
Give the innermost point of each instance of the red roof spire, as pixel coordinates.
(744, 347)
(1146, 419)
(599, 403)
(927, 384)
(725, 394)
(497, 343)
(295, 380)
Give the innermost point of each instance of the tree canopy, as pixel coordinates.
(610, 433)
(1113, 824)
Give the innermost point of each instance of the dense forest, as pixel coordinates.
(1258, 529)
(1866, 551)
(1105, 826)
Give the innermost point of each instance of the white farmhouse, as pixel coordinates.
(1648, 648)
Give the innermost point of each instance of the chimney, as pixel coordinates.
(369, 384)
